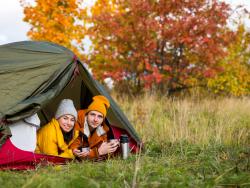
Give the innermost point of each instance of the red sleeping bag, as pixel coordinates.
(12, 157)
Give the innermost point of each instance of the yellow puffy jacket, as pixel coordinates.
(50, 140)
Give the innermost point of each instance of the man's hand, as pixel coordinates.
(79, 153)
(107, 147)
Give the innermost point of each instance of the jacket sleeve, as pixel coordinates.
(94, 150)
(46, 142)
(37, 150)
(67, 154)
(76, 143)
(93, 153)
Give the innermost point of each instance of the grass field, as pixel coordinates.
(188, 142)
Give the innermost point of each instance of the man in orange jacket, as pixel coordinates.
(91, 124)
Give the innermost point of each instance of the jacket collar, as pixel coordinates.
(61, 143)
(99, 130)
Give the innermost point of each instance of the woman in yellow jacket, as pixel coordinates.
(56, 137)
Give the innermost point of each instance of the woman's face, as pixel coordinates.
(66, 122)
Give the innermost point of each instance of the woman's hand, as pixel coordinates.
(79, 153)
(107, 147)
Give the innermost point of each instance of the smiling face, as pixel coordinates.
(94, 119)
(66, 122)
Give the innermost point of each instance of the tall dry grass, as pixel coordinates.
(193, 120)
(178, 153)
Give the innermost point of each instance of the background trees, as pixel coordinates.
(165, 44)
(58, 21)
(154, 44)
(235, 77)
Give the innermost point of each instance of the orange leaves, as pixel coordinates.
(157, 75)
(209, 73)
(234, 78)
(147, 66)
(167, 68)
(168, 43)
(142, 42)
(58, 21)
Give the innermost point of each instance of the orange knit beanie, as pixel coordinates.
(100, 104)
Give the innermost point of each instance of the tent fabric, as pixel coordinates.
(132, 144)
(24, 133)
(4, 133)
(35, 76)
(31, 74)
(14, 158)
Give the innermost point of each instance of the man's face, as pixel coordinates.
(94, 119)
(66, 122)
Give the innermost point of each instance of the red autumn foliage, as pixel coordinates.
(162, 44)
(158, 43)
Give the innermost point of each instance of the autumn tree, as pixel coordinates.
(170, 45)
(234, 79)
(167, 45)
(58, 21)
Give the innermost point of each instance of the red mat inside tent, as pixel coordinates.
(13, 158)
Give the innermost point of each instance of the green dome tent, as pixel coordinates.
(36, 76)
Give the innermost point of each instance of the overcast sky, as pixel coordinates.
(13, 29)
